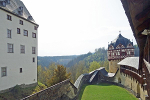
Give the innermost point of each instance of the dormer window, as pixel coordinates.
(8, 1)
(30, 18)
(129, 46)
(20, 10)
(4, 3)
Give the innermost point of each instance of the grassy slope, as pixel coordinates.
(18, 93)
(105, 92)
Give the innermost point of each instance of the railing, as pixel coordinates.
(54, 92)
(146, 75)
(133, 75)
(129, 68)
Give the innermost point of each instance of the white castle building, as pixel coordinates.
(18, 45)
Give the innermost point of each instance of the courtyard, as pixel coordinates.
(105, 91)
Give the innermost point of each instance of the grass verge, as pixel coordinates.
(105, 92)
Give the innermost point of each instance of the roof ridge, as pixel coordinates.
(120, 39)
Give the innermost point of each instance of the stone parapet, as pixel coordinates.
(61, 91)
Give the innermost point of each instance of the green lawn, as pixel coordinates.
(105, 92)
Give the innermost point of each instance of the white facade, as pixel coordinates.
(20, 67)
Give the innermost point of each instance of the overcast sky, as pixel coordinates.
(73, 27)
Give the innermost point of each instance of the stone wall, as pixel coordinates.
(133, 85)
(62, 91)
(125, 81)
(67, 91)
(113, 66)
(82, 79)
(129, 84)
(104, 75)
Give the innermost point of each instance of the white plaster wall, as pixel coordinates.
(15, 61)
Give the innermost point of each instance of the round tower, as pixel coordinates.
(119, 49)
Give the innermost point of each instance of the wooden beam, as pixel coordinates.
(144, 14)
(144, 25)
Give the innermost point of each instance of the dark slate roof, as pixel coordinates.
(120, 40)
(93, 76)
(14, 8)
(130, 61)
(79, 80)
(105, 73)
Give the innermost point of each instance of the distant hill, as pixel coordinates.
(47, 60)
(99, 55)
(79, 58)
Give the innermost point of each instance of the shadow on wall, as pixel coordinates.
(119, 80)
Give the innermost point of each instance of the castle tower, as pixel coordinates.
(119, 49)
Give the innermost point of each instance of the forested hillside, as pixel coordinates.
(89, 63)
(76, 65)
(99, 55)
(68, 61)
(79, 58)
(47, 60)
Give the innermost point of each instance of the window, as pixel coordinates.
(20, 70)
(132, 53)
(33, 59)
(33, 50)
(18, 30)
(22, 49)
(3, 3)
(25, 33)
(9, 17)
(33, 35)
(4, 71)
(30, 18)
(10, 48)
(21, 22)
(8, 1)
(21, 8)
(35, 28)
(8, 33)
(20, 12)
